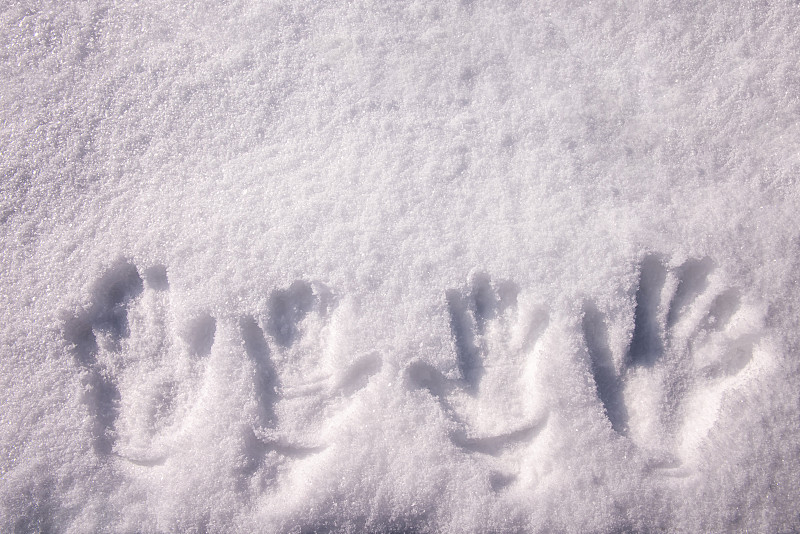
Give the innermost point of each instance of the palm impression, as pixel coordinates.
(694, 338)
(491, 400)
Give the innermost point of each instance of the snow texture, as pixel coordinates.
(410, 267)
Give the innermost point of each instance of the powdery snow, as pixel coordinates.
(399, 267)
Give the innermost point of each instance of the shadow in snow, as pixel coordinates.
(287, 307)
(608, 382)
(692, 281)
(647, 345)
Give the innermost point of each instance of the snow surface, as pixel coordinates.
(399, 266)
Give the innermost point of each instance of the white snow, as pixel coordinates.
(461, 266)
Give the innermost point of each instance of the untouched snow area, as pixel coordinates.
(399, 266)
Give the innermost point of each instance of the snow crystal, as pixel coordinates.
(451, 266)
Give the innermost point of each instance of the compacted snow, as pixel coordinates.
(399, 266)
